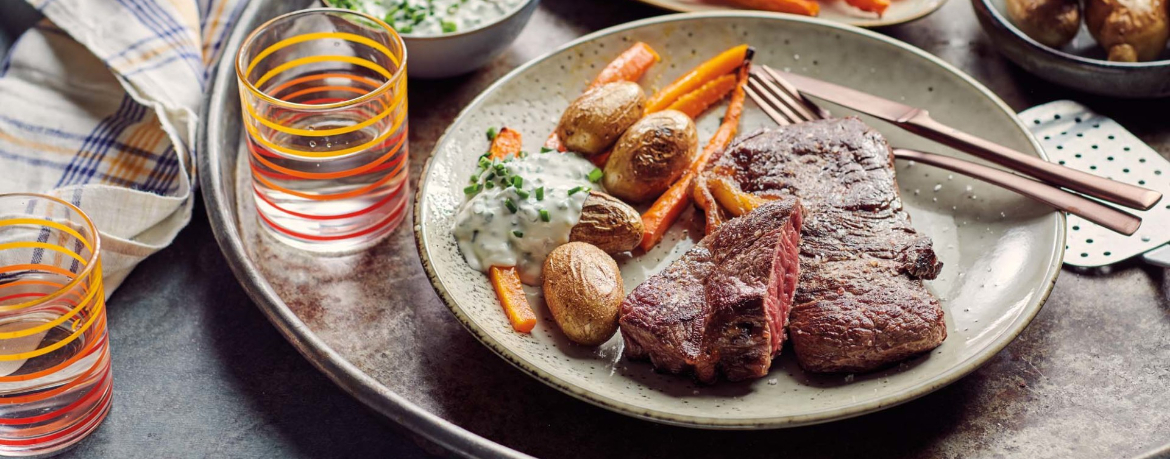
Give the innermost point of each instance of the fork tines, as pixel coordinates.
(779, 99)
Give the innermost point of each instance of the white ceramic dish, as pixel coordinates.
(831, 10)
(1002, 251)
(447, 55)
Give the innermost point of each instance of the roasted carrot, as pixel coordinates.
(629, 66)
(671, 204)
(873, 6)
(732, 197)
(511, 295)
(713, 214)
(726, 62)
(507, 143)
(694, 103)
(805, 7)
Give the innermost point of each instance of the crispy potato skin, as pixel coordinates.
(1051, 22)
(594, 121)
(1129, 30)
(651, 155)
(583, 289)
(608, 223)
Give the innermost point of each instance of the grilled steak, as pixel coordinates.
(722, 307)
(860, 303)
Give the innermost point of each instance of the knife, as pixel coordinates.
(918, 121)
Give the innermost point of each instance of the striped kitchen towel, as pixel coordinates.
(99, 105)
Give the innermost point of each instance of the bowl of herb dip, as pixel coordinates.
(448, 37)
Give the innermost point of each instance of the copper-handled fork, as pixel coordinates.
(785, 105)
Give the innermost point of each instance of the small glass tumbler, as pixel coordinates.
(54, 353)
(324, 107)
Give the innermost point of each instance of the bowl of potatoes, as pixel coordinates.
(1107, 47)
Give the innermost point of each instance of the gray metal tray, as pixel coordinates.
(373, 324)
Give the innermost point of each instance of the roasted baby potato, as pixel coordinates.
(584, 291)
(651, 155)
(1129, 30)
(608, 223)
(594, 121)
(1051, 22)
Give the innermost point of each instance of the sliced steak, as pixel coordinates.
(722, 307)
(860, 303)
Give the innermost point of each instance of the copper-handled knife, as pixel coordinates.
(918, 121)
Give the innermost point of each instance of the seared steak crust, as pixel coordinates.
(860, 303)
(722, 307)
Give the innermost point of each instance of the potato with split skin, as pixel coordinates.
(608, 223)
(1051, 22)
(583, 289)
(594, 121)
(651, 155)
(1129, 30)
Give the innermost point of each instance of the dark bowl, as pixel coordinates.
(1079, 65)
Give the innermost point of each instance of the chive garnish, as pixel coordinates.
(474, 178)
(448, 26)
(491, 133)
(491, 175)
(484, 162)
(545, 149)
(595, 175)
(472, 189)
(521, 193)
(518, 181)
(544, 216)
(540, 194)
(517, 233)
(511, 205)
(578, 189)
(489, 185)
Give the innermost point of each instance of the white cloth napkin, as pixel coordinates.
(99, 104)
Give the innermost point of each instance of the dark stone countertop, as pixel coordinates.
(199, 372)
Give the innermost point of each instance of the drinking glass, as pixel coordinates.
(54, 353)
(324, 108)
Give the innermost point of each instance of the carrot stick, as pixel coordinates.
(630, 65)
(805, 7)
(672, 203)
(694, 103)
(711, 210)
(873, 6)
(507, 143)
(732, 197)
(511, 295)
(726, 62)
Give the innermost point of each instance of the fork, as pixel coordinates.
(784, 105)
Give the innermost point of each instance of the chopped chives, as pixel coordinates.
(521, 193)
(491, 133)
(489, 185)
(578, 189)
(544, 216)
(517, 233)
(448, 26)
(595, 175)
(518, 181)
(471, 189)
(540, 194)
(523, 154)
(545, 149)
(511, 205)
(474, 178)
(484, 162)
(491, 175)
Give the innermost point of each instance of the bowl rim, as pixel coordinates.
(459, 34)
(1003, 22)
(946, 377)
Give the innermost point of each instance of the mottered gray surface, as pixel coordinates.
(200, 373)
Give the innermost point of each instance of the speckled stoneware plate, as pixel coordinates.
(1002, 251)
(831, 10)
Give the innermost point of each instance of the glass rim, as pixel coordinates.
(90, 264)
(249, 41)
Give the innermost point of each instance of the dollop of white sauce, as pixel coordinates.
(485, 227)
(426, 17)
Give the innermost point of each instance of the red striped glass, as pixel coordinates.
(55, 383)
(323, 93)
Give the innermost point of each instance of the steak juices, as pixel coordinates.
(860, 302)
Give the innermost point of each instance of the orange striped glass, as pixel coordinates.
(54, 354)
(324, 108)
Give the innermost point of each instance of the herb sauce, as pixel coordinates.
(528, 210)
(433, 17)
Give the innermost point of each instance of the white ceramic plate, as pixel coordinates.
(832, 10)
(1002, 252)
